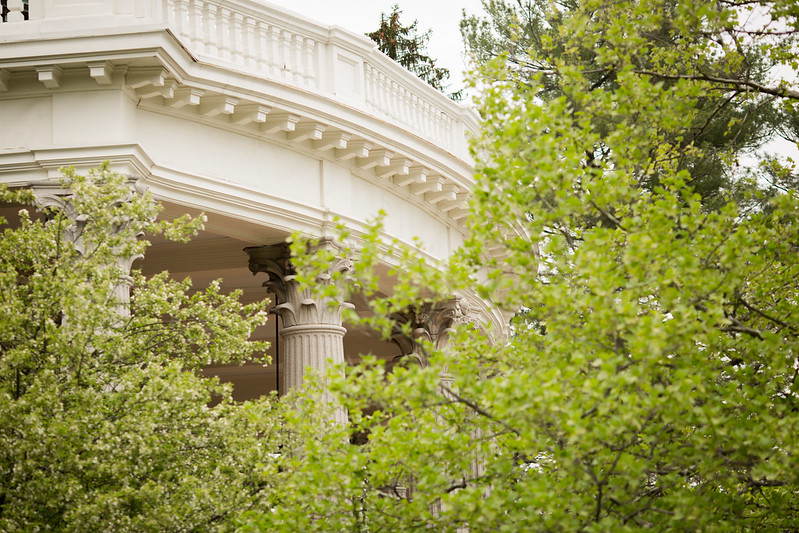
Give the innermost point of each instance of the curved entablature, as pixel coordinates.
(161, 71)
(238, 47)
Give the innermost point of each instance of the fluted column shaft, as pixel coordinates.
(310, 346)
(312, 336)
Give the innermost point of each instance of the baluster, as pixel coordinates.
(209, 28)
(185, 12)
(449, 130)
(196, 25)
(434, 122)
(223, 32)
(428, 111)
(416, 103)
(368, 89)
(379, 96)
(376, 92)
(185, 22)
(188, 22)
(248, 42)
(299, 63)
(275, 65)
(395, 100)
(410, 109)
(400, 98)
(169, 17)
(378, 101)
(291, 56)
(421, 113)
(426, 130)
(268, 49)
(278, 55)
(413, 109)
(309, 66)
(406, 112)
(177, 16)
(426, 117)
(387, 97)
(237, 38)
(162, 12)
(281, 58)
(259, 50)
(394, 95)
(407, 100)
(374, 84)
(296, 60)
(407, 109)
(285, 53)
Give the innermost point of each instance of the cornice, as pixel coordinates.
(157, 69)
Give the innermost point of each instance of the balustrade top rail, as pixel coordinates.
(260, 39)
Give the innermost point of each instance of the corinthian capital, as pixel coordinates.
(274, 260)
(298, 306)
(53, 198)
(428, 323)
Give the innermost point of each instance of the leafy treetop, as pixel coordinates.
(106, 423)
(689, 41)
(652, 380)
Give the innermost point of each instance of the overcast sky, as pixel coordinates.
(363, 16)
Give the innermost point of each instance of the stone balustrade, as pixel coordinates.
(268, 42)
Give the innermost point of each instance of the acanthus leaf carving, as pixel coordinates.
(296, 305)
(428, 323)
(52, 199)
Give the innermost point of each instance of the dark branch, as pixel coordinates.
(733, 83)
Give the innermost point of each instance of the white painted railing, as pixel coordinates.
(246, 39)
(259, 39)
(388, 95)
(13, 10)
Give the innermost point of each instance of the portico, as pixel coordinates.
(267, 122)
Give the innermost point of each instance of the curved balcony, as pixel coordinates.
(240, 66)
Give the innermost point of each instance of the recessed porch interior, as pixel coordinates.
(215, 254)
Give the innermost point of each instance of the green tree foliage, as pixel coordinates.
(105, 422)
(407, 47)
(657, 386)
(729, 123)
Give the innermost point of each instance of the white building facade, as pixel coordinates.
(266, 121)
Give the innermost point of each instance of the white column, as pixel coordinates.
(429, 323)
(310, 346)
(312, 336)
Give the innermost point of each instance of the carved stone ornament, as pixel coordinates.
(312, 333)
(428, 323)
(294, 305)
(49, 198)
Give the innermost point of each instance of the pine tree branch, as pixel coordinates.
(734, 83)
